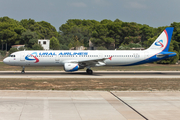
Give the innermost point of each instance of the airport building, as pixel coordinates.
(45, 44)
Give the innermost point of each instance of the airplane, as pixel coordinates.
(73, 60)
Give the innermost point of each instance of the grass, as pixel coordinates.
(108, 84)
(145, 67)
(91, 84)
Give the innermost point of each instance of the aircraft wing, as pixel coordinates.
(92, 62)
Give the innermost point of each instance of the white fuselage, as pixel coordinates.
(59, 57)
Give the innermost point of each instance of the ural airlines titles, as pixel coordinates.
(63, 53)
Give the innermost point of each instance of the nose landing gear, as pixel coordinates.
(23, 70)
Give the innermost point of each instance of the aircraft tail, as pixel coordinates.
(162, 43)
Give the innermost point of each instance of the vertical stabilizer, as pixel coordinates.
(162, 43)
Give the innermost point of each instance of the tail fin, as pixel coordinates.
(162, 43)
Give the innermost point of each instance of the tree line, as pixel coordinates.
(105, 34)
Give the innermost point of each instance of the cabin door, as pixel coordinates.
(22, 56)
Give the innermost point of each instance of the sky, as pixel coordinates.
(154, 13)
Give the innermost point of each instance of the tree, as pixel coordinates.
(73, 27)
(37, 47)
(54, 44)
(43, 29)
(115, 32)
(12, 50)
(64, 47)
(2, 53)
(75, 43)
(22, 48)
(134, 45)
(106, 21)
(47, 30)
(149, 42)
(29, 38)
(146, 33)
(101, 48)
(100, 36)
(10, 31)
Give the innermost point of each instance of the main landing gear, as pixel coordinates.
(89, 71)
(23, 70)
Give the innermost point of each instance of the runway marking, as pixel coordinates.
(129, 106)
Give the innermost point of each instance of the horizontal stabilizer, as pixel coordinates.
(164, 54)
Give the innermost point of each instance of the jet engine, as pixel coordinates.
(70, 67)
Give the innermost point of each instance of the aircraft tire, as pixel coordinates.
(89, 71)
(22, 71)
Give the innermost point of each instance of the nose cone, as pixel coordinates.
(5, 61)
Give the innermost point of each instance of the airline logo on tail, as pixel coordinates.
(34, 54)
(162, 43)
(159, 43)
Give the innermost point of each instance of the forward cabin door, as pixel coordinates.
(22, 56)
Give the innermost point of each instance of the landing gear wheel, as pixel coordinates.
(23, 70)
(89, 71)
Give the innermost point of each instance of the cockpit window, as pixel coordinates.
(12, 56)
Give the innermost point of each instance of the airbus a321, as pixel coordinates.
(73, 60)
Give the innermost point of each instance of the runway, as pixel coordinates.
(96, 74)
(89, 105)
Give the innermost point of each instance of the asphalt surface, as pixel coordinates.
(89, 105)
(96, 74)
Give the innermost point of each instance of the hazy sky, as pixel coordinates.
(154, 13)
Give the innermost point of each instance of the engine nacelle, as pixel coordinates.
(70, 67)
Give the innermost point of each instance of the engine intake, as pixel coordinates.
(70, 67)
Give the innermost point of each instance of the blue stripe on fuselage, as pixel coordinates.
(151, 59)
